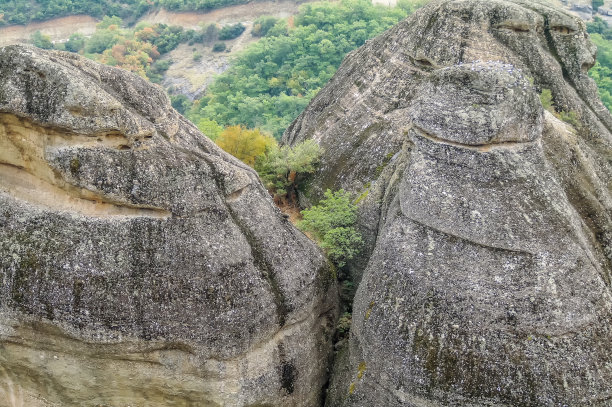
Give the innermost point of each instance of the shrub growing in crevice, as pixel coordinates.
(570, 117)
(331, 223)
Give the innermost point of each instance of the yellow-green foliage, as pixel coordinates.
(364, 194)
(344, 323)
(360, 372)
(244, 144)
(570, 117)
(369, 310)
(282, 168)
(210, 128)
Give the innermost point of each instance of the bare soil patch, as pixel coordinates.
(234, 14)
(58, 29)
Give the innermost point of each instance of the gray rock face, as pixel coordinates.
(488, 220)
(140, 264)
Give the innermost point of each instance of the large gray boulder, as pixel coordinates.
(141, 265)
(486, 276)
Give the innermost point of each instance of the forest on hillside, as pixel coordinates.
(272, 81)
(25, 11)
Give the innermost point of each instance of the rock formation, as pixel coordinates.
(486, 278)
(140, 265)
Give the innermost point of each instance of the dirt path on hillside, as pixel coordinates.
(59, 29)
(189, 77)
(234, 14)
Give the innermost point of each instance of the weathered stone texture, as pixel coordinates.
(141, 265)
(486, 280)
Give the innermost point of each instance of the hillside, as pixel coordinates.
(60, 29)
(26, 11)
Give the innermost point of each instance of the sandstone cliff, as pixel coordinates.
(140, 265)
(486, 278)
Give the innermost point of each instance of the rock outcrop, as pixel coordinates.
(141, 265)
(487, 274)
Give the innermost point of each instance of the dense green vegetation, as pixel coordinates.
(273, 80)
(229, 32)
(332, 224)
(24, 11)
(601, 34)
(570, 117)
(283, 169)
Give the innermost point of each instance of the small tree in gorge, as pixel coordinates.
(282, 168)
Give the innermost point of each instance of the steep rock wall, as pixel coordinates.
(486, 275)
(141, 265)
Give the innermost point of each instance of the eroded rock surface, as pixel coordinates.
(486, 280)
(140, 265)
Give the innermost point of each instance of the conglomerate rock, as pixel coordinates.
(141, 265)
(486, 277)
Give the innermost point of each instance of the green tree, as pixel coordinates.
(547, 100)
(229, 32)
(597, 4)
(332, 224)
(75, 43)
(155, 72)
(210, 128)
(210, 33)
(107, 21)
(41, 40)
(24, 11)
(262, 25)
(168, 37)
(219, 47)
(601, 35)
(282, 168)
(180, 102)
(102, 40)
